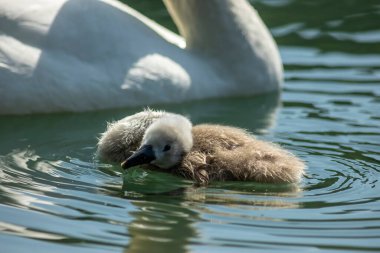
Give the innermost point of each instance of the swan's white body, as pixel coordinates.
(79, 55)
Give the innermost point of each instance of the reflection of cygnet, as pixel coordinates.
(202, 153)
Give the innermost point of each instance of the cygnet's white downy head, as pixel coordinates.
(164, 144)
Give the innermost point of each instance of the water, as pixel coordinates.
(55, 196)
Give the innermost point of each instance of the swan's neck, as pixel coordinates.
(206, 25)
(231, 32)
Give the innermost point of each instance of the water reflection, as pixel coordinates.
(161, 226)
(169, 210)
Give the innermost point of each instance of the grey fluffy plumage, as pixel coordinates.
(218, 152)
(123, 137)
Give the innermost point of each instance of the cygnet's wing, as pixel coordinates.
(123, 137)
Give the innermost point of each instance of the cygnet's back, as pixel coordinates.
(227, 153)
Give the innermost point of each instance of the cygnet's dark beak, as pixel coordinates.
(142, 156)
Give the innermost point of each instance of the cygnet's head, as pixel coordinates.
(164, 144)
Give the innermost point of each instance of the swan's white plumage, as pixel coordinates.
(78, 55)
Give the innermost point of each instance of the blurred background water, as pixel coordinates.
(56, 197)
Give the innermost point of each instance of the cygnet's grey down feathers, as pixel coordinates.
(218, 152)
(227, 153)
(123, 137)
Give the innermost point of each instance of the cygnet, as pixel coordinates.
(202, 153)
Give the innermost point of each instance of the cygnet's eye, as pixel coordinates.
(166, 148)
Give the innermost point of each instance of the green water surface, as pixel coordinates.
(55, 196)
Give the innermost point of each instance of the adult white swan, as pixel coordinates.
(78, 55)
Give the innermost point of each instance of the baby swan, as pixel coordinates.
(164, 144)
(206, 152)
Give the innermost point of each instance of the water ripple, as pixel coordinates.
(57, 197)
